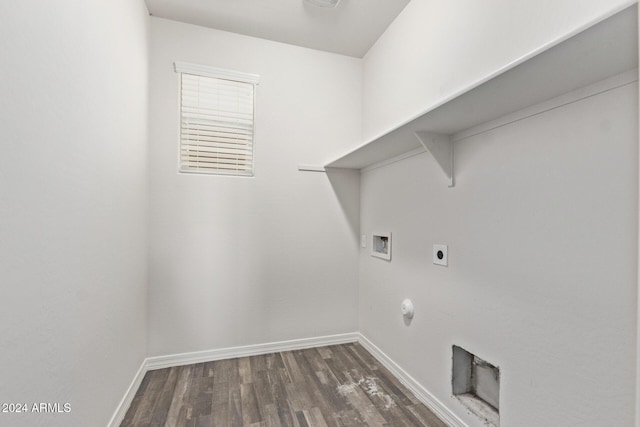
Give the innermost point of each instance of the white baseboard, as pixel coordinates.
(414, 386)
(160, 362)
(124, 404)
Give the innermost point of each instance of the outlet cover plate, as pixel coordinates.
(440, 255)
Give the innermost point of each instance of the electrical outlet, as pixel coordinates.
(363, 240)
(440, 255)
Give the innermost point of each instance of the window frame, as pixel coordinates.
(221, 74)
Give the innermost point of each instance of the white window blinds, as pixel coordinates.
(216, 120)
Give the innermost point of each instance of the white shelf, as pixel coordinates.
(607, 48)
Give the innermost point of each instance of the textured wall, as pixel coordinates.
(237, 261)
(73, 126)
(541, 233)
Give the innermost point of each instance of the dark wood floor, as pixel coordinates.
(340, 385)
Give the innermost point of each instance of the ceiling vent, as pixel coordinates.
(324, 3)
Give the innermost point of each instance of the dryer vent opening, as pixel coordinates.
(476, 383)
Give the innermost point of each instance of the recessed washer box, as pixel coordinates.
(381, 245)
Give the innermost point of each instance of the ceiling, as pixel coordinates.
(349, 29)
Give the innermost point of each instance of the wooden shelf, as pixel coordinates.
(603, 50)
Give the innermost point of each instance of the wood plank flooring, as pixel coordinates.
(333, 386)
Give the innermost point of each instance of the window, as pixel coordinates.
(216, 120)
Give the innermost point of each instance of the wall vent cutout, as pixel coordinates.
(476, 383)
(381, 245)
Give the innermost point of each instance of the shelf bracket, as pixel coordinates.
(441, 148)
(311, 168)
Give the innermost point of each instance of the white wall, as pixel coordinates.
(73, 130)
(541, 228)
(560, 327)
(435, 49)
(238, 261)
